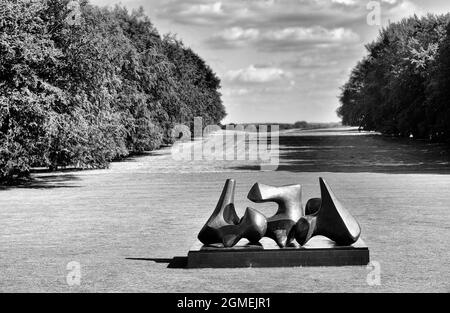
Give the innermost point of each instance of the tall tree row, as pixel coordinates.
(85, 93)
(401, 87)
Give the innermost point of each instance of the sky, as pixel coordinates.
(279, 60)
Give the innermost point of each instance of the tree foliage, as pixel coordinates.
(84, 94)
(401, 87)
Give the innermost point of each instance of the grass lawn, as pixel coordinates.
(124, 224)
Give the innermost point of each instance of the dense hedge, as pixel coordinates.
(402, 87)
(85, 94)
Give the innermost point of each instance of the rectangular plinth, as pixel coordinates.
(319, 251)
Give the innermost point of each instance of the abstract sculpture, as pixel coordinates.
(325, 216)
(224, 226)
(289, 200)
(331, 220)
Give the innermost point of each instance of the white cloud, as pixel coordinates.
(235, 36)
(355, 2)
(267, 13)
(403, 9)
(253, 12)
(344, 2)
(236, 91)
(254, 74)
(389, 1)
(202, 12)
(289, 37)
(211, 8)
(316, 34)
(313, 61)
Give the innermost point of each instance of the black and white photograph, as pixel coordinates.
(238, 148)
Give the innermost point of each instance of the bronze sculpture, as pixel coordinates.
(224, 226)
(331, 220)
(290, 209)
(324, 216)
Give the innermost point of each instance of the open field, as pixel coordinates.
(125, 224)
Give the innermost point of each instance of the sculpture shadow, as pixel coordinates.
(175, 262)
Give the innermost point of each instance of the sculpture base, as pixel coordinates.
(319, 251)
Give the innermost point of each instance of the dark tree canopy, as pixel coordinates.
(402, 86)
(87, 93)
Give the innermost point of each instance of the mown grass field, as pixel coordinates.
(125, 224)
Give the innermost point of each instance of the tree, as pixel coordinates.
(85, 94)
(387, 90)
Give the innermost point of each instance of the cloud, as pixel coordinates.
(236, 91)
(259, 89)
(316, 59)
(234, 37)
(268, 13)
(211, 8)
(402, 9)
(311, 34)
(310, 62)
(389, 1)
(201, 12)
(345, 2)
(253, 12)
(253, 74)
(279, 39)
(356, 2)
